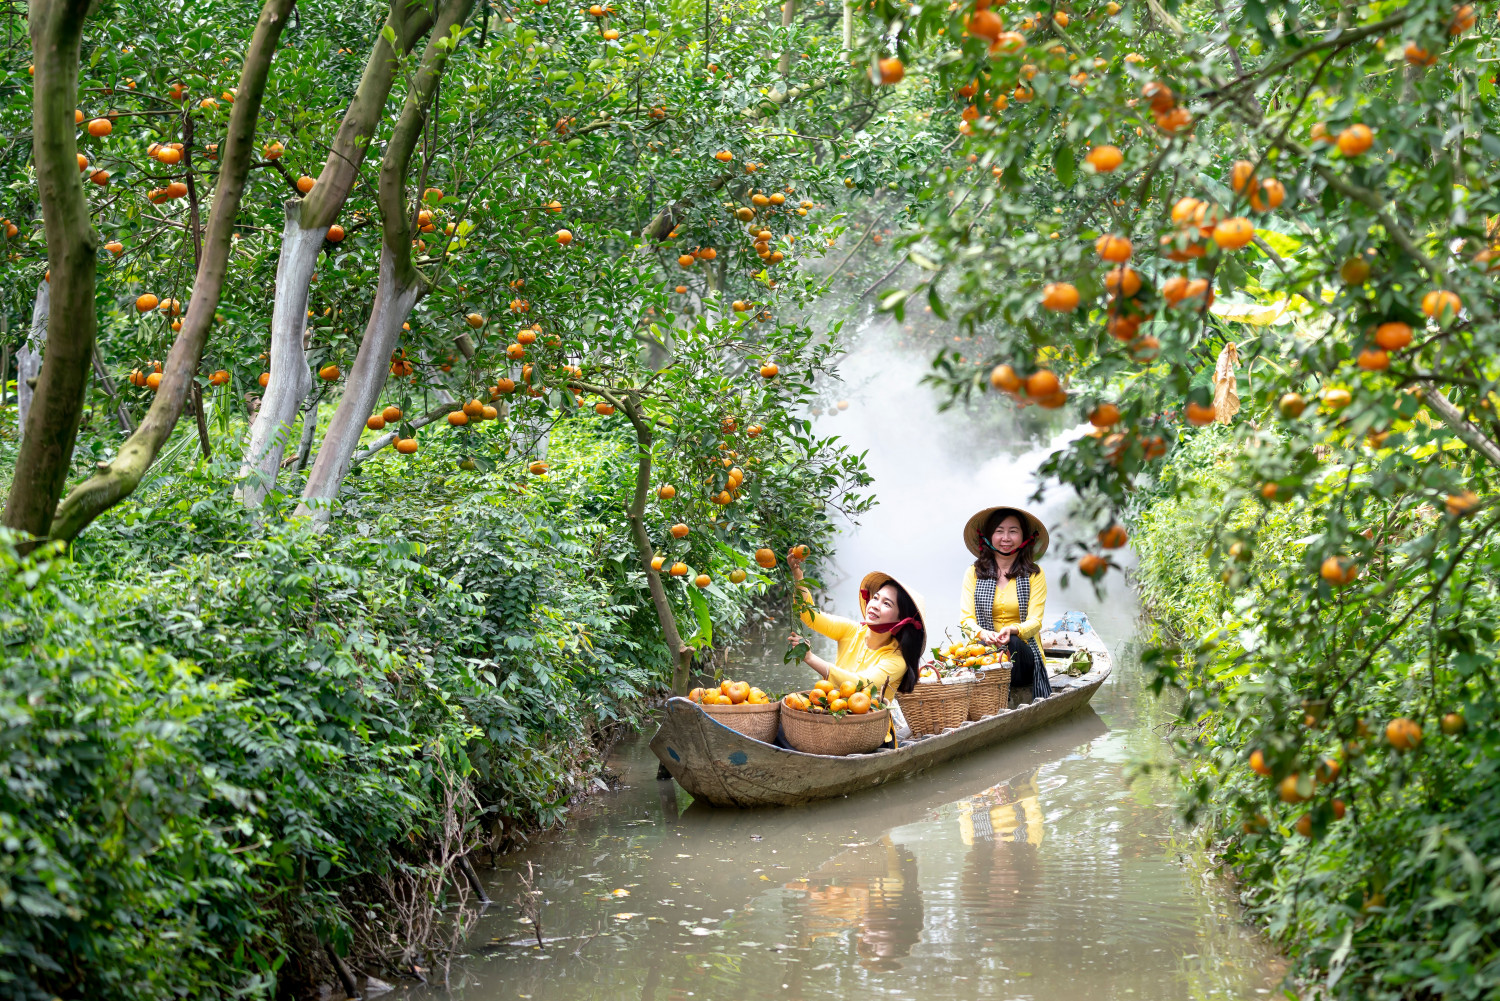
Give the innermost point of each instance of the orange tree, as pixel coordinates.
(1276, 217)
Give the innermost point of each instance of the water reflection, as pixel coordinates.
(870, 891)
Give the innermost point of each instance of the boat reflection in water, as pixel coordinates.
(871, 891)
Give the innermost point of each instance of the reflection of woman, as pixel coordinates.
(893, 922)
(884, 649)
(1005, 593)
(1010, 811)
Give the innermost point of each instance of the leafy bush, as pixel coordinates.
(1390, 886)
(228, 741)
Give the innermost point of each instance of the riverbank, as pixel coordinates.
(234, 748)
(1375, 868)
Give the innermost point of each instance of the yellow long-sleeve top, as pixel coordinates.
(881, 667)
(1007, 608)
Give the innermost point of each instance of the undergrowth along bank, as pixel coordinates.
(1372, 857)
(229, 746)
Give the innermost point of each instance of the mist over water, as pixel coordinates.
(1035, 869)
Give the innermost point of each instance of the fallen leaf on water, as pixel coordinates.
(620, 893)
(625, 915)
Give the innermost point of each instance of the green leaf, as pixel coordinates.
(704, 636)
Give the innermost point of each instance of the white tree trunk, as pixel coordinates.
(393, 304)
(29, 359)
(848, 25)
(290, 380)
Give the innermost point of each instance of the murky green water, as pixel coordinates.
(1034, 870)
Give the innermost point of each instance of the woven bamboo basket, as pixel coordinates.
(820, 733)
(991, 692)
(758, 721)
(935, 707)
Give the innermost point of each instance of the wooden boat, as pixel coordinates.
(725, 768)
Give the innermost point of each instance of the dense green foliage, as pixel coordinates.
(1278, 216)
(224, 741)
(1397, 897)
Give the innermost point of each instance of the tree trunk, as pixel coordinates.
(848, 25)
(393, 304)
(306, 224)
(51, 427)
(290, 380)
(682, 654)
(788, 13)
(29, 360)
(309, 432)
(399, 285)
(114, 481)
(122, 416)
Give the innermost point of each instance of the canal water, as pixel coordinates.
(1047, 868)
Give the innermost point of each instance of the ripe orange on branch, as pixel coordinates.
(1104, 159)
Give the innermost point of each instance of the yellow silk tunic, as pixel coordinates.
(882, 667)
(1007, 608)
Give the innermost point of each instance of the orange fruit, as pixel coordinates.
(679, 531)
(564, 237)
(458, 418)
(304, 183)
(1393, 336)
(1338, 570)
(1234, 233)
(696, 695)
(1461, 503)
(678, 570)
(859, 703)
(535, 469)
(1042, 384)
(847, 688)
(1355, 140)
(1199, 414)
(702, 580)
(1355, 271)
(375, 422)
(738, 692)
(1122, 280)
(1105, 415)
(824, 686)
(1403, 734)
(265, 378)
(769, 371)
(1258, 763)
(1003, 377)
(1092, 565)
(1113, 537)
(1104, 159)
(1440, 304)
(1291, 405)
(838, 705)
(1060, 297)
(892, 71)
(1373, 360)
(1269, 195)
(1287, 790)
(765, 558)
(1112, 248)
(657, 561)
(328, 373)
(406, 446)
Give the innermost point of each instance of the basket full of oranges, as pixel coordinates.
(742, 708)
(835, 719)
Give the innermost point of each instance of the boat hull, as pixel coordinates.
(725, 768)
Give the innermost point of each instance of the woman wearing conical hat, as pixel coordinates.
(1005, 593)
(884, 648)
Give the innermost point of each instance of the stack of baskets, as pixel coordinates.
(757, 721)
(991, 691)
(935, 707)
(821, 733)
